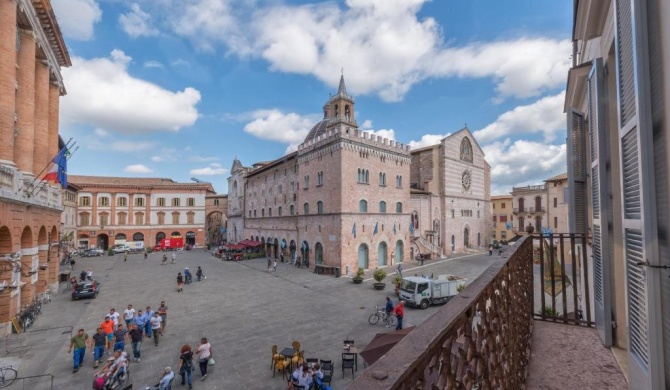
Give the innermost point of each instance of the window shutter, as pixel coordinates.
(576, 171)
(600, 199)
(645, 354)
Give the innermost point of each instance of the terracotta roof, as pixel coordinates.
(496, 197)
(561, 177)
(93, 181)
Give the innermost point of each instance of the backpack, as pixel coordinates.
(188, 364)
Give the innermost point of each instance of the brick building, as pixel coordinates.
(216, 220)
(113, 210)
(450, 187)
(341, 199)
(32, 51)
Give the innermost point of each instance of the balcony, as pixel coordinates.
(15, 187)
(525, 322)
(518, 210)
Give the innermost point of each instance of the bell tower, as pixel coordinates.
(340, 108)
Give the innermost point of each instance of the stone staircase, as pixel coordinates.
(427, 247)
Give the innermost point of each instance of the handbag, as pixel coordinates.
(211, 362)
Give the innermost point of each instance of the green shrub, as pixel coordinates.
(379, 275)
(460, 288)
(360, 273)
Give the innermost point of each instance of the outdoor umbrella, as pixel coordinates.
(382, 343)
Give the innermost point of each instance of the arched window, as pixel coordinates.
(466, 150)
(280, 211)
(367, 176)
(306, 208)
(398, 207)
(292, 210)
(363, 206)
(254, 213)
(270, 212)
(347, 113)
(262, 212)
(319, 207)
(382, 207)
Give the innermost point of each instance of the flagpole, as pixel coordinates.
(43, 183)
(45, 168)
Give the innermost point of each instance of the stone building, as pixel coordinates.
(530, 207)
(216, 222)
(340, 200)
(32, 52)
(558, 197)
(68, 218)
(450, 195)
(113, 210)
(503, 219)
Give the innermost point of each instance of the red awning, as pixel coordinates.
(234, 247)
(250, 243)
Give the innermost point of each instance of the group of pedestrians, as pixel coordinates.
(187, 278)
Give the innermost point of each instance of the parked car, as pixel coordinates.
(121, 248)
(85, 290)
(93, 252)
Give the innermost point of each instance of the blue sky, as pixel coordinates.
(178, 88)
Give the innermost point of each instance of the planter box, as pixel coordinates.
(379, 286)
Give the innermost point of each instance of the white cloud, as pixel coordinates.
(131, 146)
(275, 125)
(543, 116)
(427, 140)
(522, 162)
(102, 94)
(211, 170)
(137, 168)
(153, 64)
(100, 133)
(367, 124)
(157, 159)
(77, 18)
(202, 158)
(137, 23)
(386, 45)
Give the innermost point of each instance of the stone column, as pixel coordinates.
(41, 142)
(42, 280)
(7, 80)
(25, 103)
(54, 101)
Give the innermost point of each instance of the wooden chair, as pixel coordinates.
(280, 364)
(327, 368)
(275, 356)
(348, 362)
(296, 346)
(298, 358)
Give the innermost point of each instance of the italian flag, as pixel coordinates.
(58, 171)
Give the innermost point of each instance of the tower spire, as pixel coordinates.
(342, 88)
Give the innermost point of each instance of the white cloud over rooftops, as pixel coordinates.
(77, 18)
(137, 23)
(137, 168)
(211, 170)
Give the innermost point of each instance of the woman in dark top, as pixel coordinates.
(180, 282)
(186, 365)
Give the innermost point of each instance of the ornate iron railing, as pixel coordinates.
(479, 340)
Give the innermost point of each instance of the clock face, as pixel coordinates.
(466, 180)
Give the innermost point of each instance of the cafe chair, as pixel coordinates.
(349, 342)
(296, 345)
(281, 365)
(298, 358)
(348, 362)
(275, 356)
(311, 361)
(327, 368)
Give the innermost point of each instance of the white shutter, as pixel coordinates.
(577, 167)
(600, 177)
(645, 354)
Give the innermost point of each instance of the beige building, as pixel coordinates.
(503, 218)
(450, 196)
(558, 203)
(32, 52)
(113, 210)
(68, 218)
(617, 103)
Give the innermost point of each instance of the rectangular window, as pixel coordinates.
(84, 220)
(122, 202)
(398, 181)
(139, 202)
(190, 202)
(160, 202)
(121, 219)
(161, 219)
(176, 202)
(103, 201)
(190, 218)
(104, 220)
(503, 218)
(555, 202)
(555, 222)
(85, 201)
(216, 202)
(494, 206)
(319, 179)
(175, 219)
(502, 205)
(495, 218)
(503, 235)
(139, 219)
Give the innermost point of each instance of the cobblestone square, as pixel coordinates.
(241, 308)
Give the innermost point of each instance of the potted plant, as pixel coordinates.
(358, 279)
(397, 280)
(379, 275)
(110, 252)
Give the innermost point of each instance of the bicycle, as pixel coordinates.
(7, 376)
(380, 313)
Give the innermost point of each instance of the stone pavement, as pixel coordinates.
(241, 308)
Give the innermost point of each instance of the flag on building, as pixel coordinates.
(58, 172)
(353, 230)
(508, 225)
(411, 227)
(375, 231)
(394, 232)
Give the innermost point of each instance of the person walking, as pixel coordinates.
(199, 274)
(389, 310)
(164, 259)
(274, 265)
(136, 341)
(269, 264)
(490, 249)
(188, 278)
(174, 258)
(89, 275)
(162, 311)
(82, 275)
(148, 314)
(186, 366)
(79, 342)
(120, 336)
(146, 254)
(141, 320)
(129, 315)
(114, 316)
(180, 282)
(400, 313)
(204, 352)
(156, 326)
(281, 257)
(108, 328)
(400, 270)
(98, 346)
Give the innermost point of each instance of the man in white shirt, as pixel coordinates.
(156, 321)
(114, 316)
(129, 315)
(165, 380)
